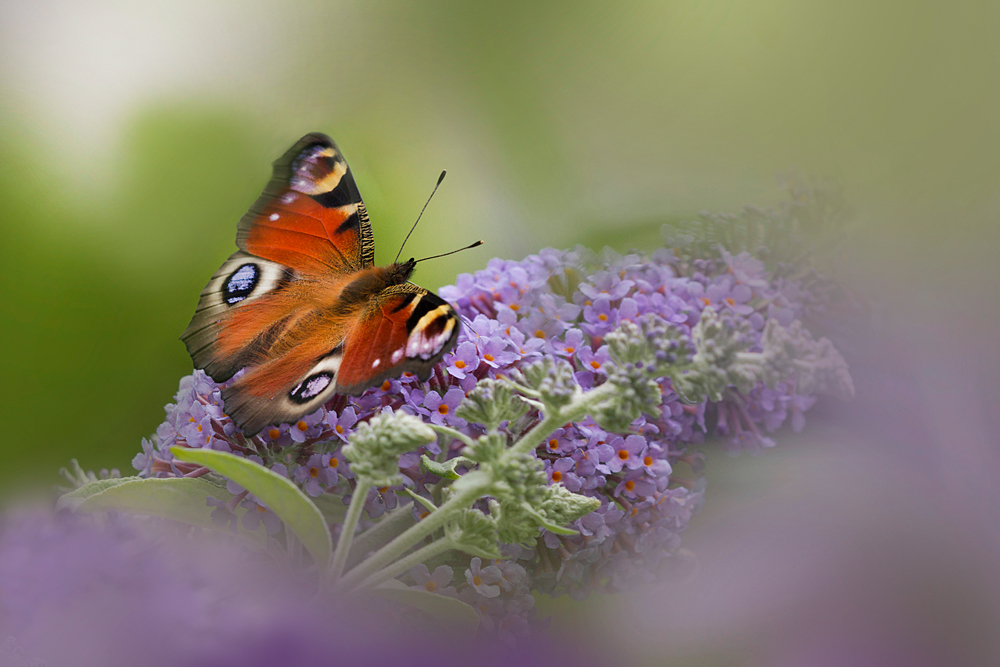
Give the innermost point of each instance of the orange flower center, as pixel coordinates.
(648, 461)
(443, 409)
(340, 429)
(274, 433)
(430, 586)
(302, 426)
(539, 334)
(629, 485)
(459, 364)
(730, 301)
(595, 364)
(488, 357)
(570, 350)
(706, 301)
(424, 514)
(477, 580)
(386, 385)
(334, 463)
(553, 444)
(602, 317)
(314, 472)
(515, 307)
(623, 454)
(262, 510)
(556, 476)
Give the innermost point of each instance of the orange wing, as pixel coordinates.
(310, 217)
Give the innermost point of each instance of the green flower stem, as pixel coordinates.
(577, 409)
(414, 534)
(379, 534)
(347, 532)
(520, 388)
(452, 433)
(403, 565)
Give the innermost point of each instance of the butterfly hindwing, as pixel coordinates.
(283, 389)
(311, 216)
(406, 329)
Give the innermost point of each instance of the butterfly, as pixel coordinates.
(301, 305)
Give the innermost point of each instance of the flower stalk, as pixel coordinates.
(347, 531)
(412, 536)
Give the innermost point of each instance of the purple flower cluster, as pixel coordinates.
(558, 304)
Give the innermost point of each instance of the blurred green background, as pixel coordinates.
(134, 136)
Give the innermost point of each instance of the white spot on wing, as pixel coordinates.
(315, 385)
(397, 355)
(274, 216)
(376, 363)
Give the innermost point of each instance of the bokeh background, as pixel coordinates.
(133, 136)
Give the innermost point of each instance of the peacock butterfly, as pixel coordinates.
(301, 305)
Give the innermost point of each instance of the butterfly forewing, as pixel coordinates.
(311, 216)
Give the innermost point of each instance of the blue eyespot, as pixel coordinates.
(242, 283)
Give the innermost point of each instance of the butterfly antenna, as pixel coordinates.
(445, 254)
(468, 322)
(436, 186)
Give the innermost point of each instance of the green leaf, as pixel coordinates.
(73, 499)
(332, 507)
(175, 498)
(444, 470)
(299, 514)
(420, 499)
(449, 611)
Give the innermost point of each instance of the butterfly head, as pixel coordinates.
(400, 272)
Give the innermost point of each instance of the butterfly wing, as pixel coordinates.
(404, 328)
(310, 216)
(309, 228)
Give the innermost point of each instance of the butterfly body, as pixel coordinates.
(301, 305)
